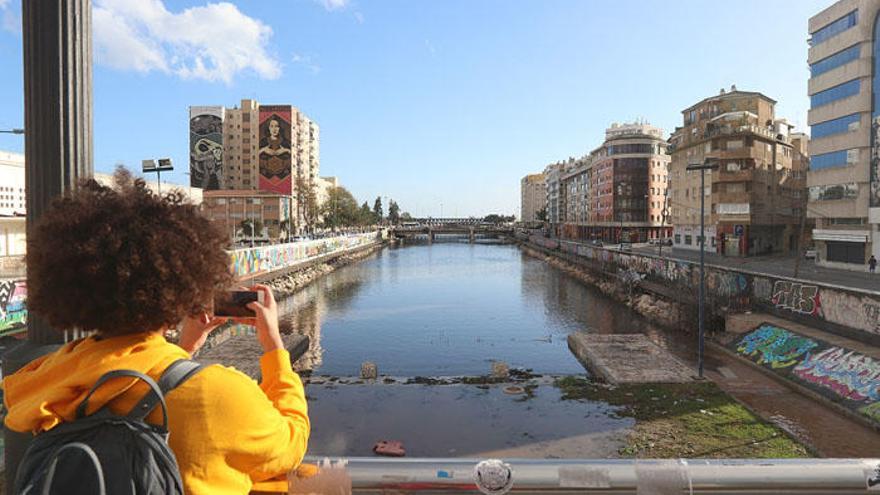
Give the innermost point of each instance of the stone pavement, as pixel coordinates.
(627, 358)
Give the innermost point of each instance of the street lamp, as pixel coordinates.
(12, 131)
(702, 167)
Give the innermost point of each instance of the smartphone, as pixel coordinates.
(234, 303)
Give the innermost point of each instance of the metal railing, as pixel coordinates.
(670, 476)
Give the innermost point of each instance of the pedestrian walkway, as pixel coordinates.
(777, 265)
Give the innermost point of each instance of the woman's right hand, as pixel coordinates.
(266, 319)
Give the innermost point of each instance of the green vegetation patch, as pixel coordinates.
(686, 420)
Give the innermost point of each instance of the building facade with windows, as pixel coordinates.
(254, 147)
(269, 213)
(617, 193)
(754, 199)
(844, 177)
(533, 198)
(12, 199)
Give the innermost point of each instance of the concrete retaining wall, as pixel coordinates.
(854, 313)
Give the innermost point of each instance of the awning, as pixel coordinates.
(841, 235)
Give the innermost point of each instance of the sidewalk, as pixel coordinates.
(777, 265)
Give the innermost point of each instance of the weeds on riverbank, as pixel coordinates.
(686, 420)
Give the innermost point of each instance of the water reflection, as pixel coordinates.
(449, 308)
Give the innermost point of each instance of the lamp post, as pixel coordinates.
(702, 167)
(12, 131)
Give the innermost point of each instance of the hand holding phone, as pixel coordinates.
(234, 303)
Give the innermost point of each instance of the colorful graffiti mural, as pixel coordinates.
(264, 259)
(276, 148)
(842, 375)
(13, 306)
(850, 375)
(775, 346)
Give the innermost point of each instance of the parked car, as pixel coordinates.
(811, 253)
(596, 242)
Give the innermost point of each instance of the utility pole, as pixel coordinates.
(702, 167)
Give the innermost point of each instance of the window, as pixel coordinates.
(829, 160)
(678, 238)
(688, 239)
(832, 62)
(845, 252)
(847, 123)
(831, 30)
(835, 93)
(834, 192)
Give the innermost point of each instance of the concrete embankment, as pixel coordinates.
(659, 309)
(291, 282)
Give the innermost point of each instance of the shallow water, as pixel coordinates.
(450, 308)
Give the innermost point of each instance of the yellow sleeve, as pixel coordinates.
(272, 429)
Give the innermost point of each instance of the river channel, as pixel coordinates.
(450, 309)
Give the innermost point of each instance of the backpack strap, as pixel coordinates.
(174, 375)
(154, 389)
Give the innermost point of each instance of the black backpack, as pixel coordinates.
(105, 453)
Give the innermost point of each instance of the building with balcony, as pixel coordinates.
(616, 193)
(754, 198)
(228, 144)
(844, 119)
(533, 198)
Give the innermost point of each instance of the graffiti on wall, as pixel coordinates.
(775, 346)
(13, 306)
(265, 259)
(795, 297)
(850, 375)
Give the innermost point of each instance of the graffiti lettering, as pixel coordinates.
(850, 375)
(13, 306)
(799, 298)
(775, 346)
(265, 259)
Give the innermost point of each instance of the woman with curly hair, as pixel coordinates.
(129, 265)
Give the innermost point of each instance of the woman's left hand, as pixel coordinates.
(195, 329)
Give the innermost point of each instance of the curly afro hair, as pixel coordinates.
(123, 260)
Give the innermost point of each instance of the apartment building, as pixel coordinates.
(753, 200)
(256, 147)
(616, 193)
(844, 119)
(533, 198)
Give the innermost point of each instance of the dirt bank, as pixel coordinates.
(288, 284)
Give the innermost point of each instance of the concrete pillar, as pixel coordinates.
(57, 46)
(430, 235)
(472, 237)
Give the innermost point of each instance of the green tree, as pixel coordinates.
(377, 209)
(340, 209)
(306, 201)
(541, 215)
(251, 228)
(393, 212)
(405, 216)
(496, 218)
(366, 216)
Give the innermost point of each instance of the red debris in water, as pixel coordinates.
(390, 448)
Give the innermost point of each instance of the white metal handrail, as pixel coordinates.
(667, 476)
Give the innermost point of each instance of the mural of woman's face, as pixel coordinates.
(274, 128)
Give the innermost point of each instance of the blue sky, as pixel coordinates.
(429, 102)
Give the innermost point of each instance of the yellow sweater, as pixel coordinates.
(226, 431)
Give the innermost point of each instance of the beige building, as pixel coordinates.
(228, 208)
(239, 167)
(533, 197)
(616, 193)
(844, 118)
(12, 200)
(753, 200)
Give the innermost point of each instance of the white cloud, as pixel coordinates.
(214, 42)
(9, 19)
(334, 4)
(307, 62)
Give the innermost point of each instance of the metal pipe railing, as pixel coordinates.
(670, 476)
